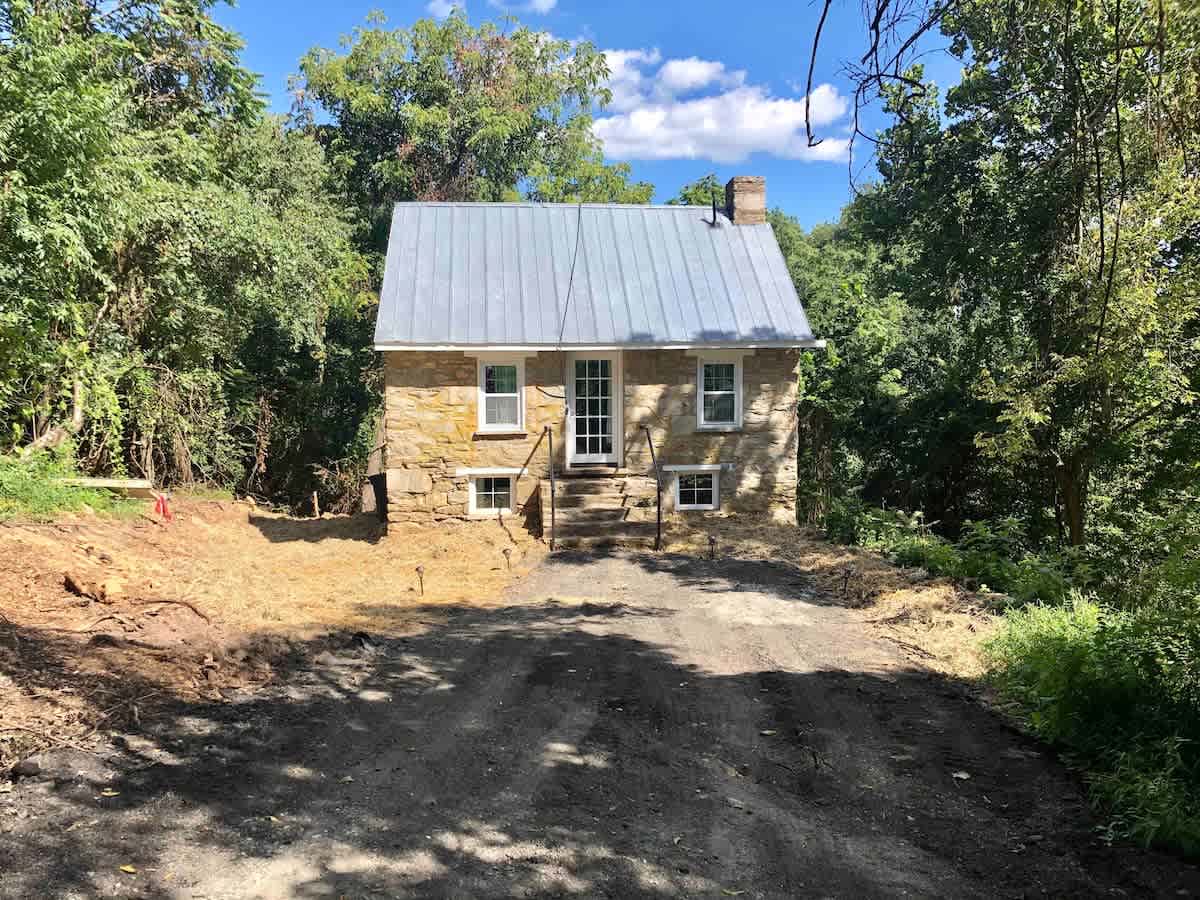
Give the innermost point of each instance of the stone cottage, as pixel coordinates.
(521, 337)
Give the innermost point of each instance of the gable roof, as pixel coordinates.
(480, 275)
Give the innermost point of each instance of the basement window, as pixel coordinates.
(502, 395)
(719, 394)
(491, 495)
(697, 490)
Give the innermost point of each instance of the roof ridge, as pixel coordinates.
(533, 204)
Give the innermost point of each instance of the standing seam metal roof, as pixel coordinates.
(497, 274)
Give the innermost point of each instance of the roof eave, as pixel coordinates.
(798, 344)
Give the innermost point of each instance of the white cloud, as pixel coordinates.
(541, 7)
(440, 8)
(725, 128)
(626, 80)
(679, 76)
(652, 119)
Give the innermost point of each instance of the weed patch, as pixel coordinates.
(34, 489)
(1119, 691)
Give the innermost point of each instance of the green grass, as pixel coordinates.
(1119, 692)
(32, 490)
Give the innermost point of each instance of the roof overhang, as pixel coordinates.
(809, 343)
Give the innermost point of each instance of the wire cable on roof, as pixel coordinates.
(562, 326)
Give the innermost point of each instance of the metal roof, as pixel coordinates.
(464, 275)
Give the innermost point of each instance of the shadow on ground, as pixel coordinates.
(540, 750)
(281, 529)
(723, 575)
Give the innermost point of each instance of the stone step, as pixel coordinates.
(618, 531)
(588, 486)
(569, 516)
(591, 472)
(596, 542)
(599, 501)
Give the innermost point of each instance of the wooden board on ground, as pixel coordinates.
(130, 487)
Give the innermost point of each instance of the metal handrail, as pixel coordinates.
(657, 490)
(546, 433)
(553, 491)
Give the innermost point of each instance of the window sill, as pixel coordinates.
(488, 513)
(718, 427)
(500, 432)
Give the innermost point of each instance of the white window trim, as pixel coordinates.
(473, 510)
(502, 359)
(715, 472)
(725, 356)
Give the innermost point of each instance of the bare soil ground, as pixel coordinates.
(102, 620)
(787, 719)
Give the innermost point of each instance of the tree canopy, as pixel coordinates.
(450, 111)
(188, 285)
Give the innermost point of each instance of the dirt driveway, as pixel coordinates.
(627, 726)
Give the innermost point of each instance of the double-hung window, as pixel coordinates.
(719, 389)
(501, 400)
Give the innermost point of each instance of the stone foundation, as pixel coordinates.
(431, 429)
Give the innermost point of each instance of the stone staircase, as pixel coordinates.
(599, 506)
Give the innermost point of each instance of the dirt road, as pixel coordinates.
(627, 726)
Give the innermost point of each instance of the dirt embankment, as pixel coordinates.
(936, 624)
(103, 619)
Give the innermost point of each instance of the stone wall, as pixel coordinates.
(431, 418)
(660, 391)
(431, 425)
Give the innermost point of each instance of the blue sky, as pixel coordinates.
(699, 87)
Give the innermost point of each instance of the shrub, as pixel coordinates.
(992, 553)
(845, 521)
(1120, 692)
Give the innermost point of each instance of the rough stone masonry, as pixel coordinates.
(431, 425)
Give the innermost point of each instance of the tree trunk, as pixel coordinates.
(1072, 477)
(55, 436)
(814, 465)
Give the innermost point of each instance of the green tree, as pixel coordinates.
(1031, 213)
(175, 268)
(701, 192)
(449, 111)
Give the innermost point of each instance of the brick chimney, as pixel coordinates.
(746, 199)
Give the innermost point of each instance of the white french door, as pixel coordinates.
(593, 383)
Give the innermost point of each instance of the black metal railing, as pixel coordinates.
(657, 490)
(547, 435)
(550, 450)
